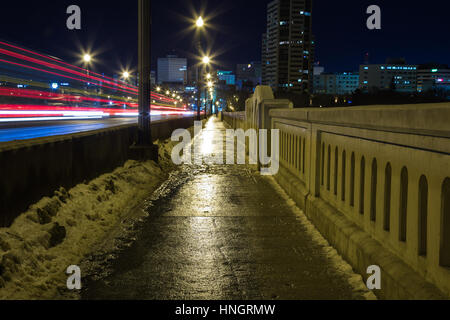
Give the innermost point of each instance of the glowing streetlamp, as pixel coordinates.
(206, 60)
(87, 58)
(200, 23)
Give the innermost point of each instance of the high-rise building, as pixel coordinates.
(264, 57)
(288, 47)
(172, 69)
(399, 77)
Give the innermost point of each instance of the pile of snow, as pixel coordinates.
(58, 232)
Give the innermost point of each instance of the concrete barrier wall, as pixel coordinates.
(35, 168)
(375, 182)
(234, 119)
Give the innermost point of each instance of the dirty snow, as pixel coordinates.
(60, 231)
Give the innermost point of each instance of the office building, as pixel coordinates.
(264, 57)
(433, 77)
(227, 76)
(325, 83)
(347, 82)
(336, 83)
(172, 70)
(288, 47)
(318, 70)
(398, 77)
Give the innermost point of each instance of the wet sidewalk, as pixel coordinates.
(226, 232)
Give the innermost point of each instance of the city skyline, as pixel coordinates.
(407, 31)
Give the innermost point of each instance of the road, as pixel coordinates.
(30, 130)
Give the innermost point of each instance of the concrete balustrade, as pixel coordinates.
(376, 182)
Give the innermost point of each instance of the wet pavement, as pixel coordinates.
(222, 232)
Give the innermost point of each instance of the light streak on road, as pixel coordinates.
(36, 87)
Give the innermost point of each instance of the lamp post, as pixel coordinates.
(206, 61)
(199, 24)
(144, 148)
(87, 60)
(144, 132)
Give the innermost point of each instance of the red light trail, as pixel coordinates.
(90, 95)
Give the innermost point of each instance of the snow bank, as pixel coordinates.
(58, 232)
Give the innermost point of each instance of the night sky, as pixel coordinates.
(415, 30)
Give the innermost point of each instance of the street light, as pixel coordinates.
(200, 23)
(126, 75)
(87, 58)
(206, 60)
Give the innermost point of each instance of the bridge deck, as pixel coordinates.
(226, 232)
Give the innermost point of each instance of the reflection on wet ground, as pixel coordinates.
(224, 232)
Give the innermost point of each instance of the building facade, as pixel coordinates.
(433, 77)
(227, 76)
(264, 58)
(336, 83)
(398, 77)
(347, 82)
(172, 70)
(325, 83)
(288, 47)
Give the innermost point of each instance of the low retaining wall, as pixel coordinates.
(33, 169)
